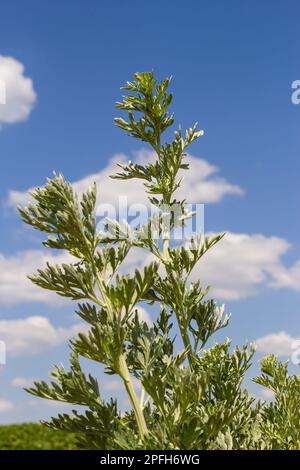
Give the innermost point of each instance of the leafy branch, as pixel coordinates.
(192, 395)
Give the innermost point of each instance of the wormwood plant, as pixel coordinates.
(191, 397)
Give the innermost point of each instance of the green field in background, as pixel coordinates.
(33, 437)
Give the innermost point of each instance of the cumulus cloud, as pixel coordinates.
(240, 264)
(287, 277)
(17, 94)
(280, 343)
(144, 315)
(266, 394)
(6, 406)
(202, 184)
(34, 334)
(39, 404)
(114, 385)
(15, 287)
(22, 382)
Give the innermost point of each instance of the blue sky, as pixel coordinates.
(233, 64)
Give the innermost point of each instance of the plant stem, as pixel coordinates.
(185, 339)
(142, 426)
(142, 398)
(166, 249)
(166, 257)
(124, 372)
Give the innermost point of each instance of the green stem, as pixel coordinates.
(185, 338)
(166, 257)
(124, 372)
(142, 398)
(165, 250)
(142, 426)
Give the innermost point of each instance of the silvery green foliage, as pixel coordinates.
(280, 418)
(191, 398)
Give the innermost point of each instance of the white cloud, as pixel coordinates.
(112, 385)
(287, 277)
(39, 404)
(266, 394)
(144, 315)
(116, 385)
(240, 264)
(6, 405)
(200, 185)
(20, 96)
(34, 334)
(22, 382)
(15, 287)
(280, 343)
